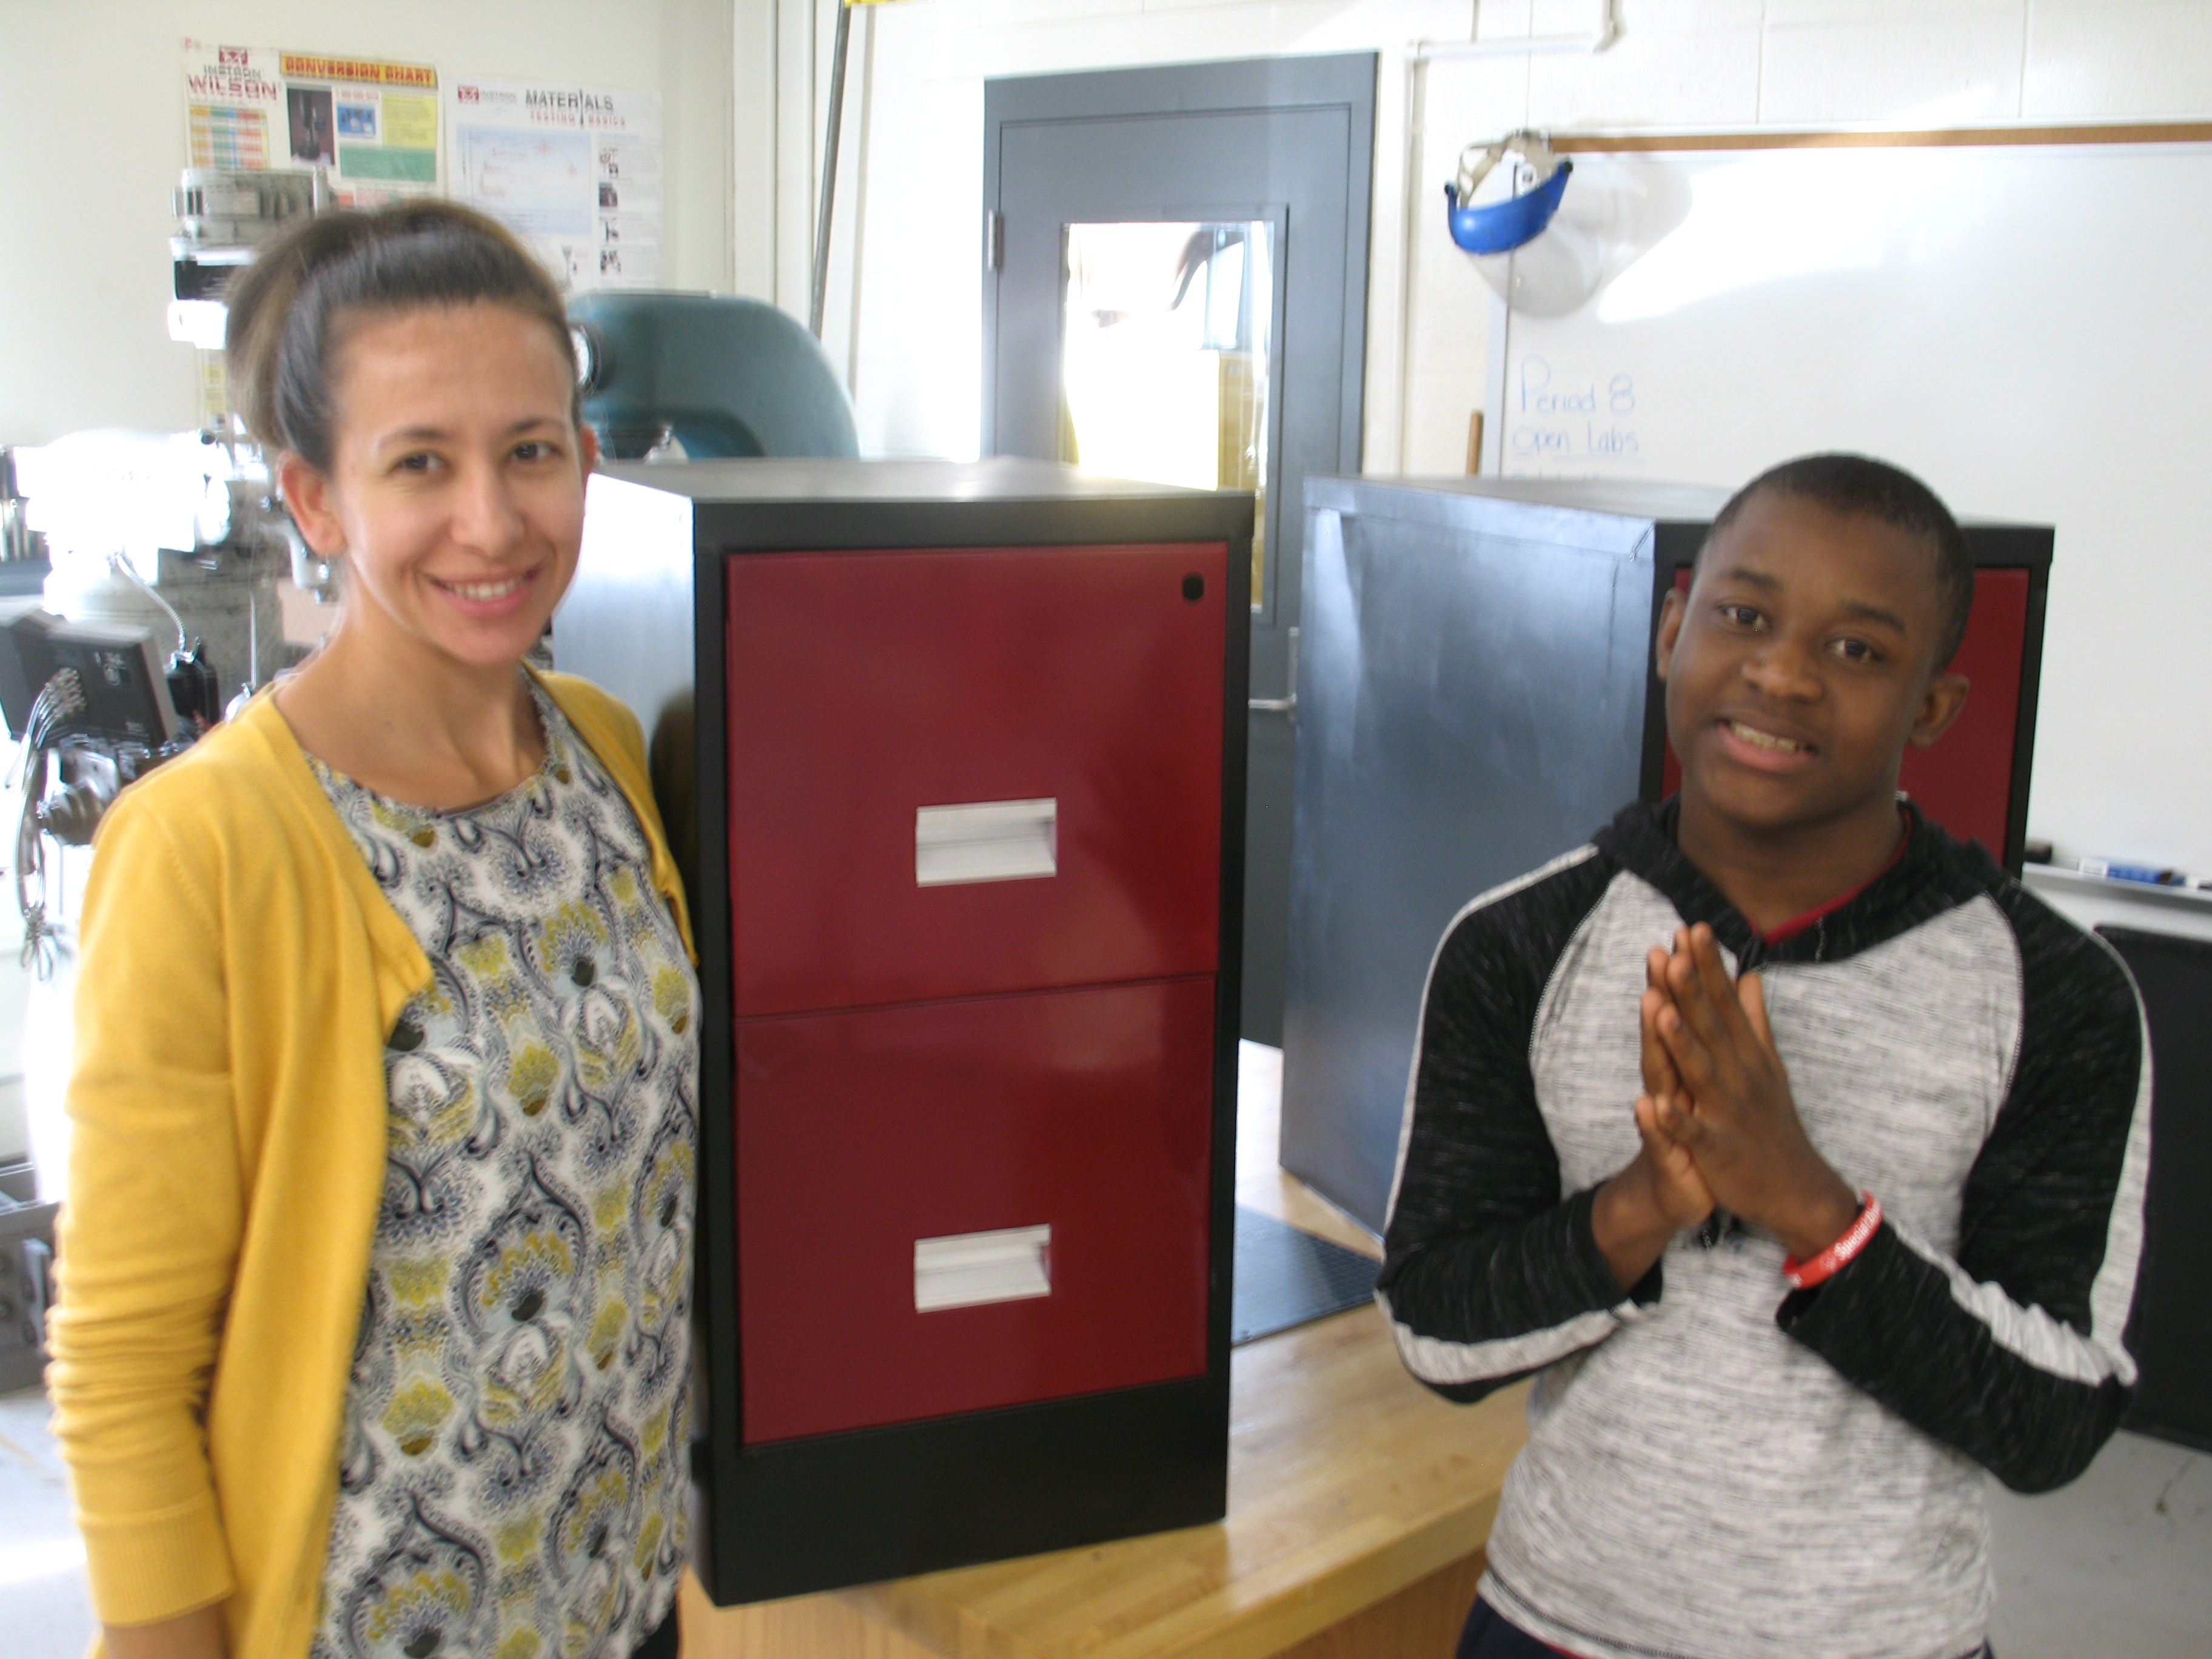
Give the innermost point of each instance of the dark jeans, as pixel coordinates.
(1487, 1635)
(661, 1645)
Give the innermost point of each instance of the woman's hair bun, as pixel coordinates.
(290, 307)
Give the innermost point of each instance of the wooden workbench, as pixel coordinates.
(1358, 1505)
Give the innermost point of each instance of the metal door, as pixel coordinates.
(1277, 155)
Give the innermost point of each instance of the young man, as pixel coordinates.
(1795, 1253)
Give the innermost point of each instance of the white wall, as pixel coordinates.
(91, 123)
(906, 291)
(910, 322)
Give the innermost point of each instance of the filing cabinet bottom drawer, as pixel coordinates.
(959, 1205)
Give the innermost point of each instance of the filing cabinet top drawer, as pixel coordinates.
(962, 771)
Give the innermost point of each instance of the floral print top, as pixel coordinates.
(515, 1458)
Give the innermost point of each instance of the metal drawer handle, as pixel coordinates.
(965, 1270)
(986, 841)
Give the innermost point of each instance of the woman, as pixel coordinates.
(373, 1327)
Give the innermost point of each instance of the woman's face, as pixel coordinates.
(456, 488)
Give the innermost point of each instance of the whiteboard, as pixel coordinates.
(2028, 328)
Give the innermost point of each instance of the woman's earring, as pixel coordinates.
(312, 573)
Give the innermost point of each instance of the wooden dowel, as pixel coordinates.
(2142, 132)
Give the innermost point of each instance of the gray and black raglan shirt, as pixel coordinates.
(1719, 1467)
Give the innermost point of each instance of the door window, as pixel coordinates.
(1165, 355)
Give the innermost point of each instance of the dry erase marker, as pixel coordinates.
(2148, 875)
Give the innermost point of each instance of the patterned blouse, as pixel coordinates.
(514, 1457)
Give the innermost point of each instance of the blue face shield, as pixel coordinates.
(1501, 227)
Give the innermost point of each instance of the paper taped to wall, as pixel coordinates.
(370, 124)
(576, 171)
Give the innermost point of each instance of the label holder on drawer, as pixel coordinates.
(986, 841)
(967, 1270)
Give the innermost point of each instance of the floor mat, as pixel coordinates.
(1286, 1276)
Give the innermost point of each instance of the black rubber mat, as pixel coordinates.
(1285, 1277)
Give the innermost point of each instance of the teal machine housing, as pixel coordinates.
(723, 376)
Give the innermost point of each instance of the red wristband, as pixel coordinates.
(1806, 1274)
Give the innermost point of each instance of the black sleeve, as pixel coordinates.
(2012, 1353)
(1487, 1275)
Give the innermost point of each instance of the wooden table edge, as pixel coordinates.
(1279, 1620)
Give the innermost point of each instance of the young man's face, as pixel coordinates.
(1800, 664)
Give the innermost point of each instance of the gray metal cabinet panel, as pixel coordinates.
(1471, 703)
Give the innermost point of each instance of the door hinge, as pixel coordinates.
(994, 240)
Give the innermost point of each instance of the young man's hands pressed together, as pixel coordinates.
(1732, 1115)
(1662, 1192)
(1718, 1126)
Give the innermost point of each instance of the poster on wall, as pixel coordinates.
(575, 171)
(234, 107)
(370, 124)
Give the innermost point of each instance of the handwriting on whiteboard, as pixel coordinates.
(1569, 425)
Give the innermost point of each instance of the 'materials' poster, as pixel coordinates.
(575, 170)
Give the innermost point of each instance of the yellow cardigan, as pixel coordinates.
(240, 973)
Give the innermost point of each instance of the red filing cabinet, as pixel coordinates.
(953, 757)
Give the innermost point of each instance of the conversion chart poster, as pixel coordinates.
(369, 123)
(234, 107)
(576, 171)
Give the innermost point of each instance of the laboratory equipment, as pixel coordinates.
(27, 1261)
(222, 216)
(177, 531)
(719, 374)
(19, 543)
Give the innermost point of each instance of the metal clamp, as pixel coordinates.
(1285, 705)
